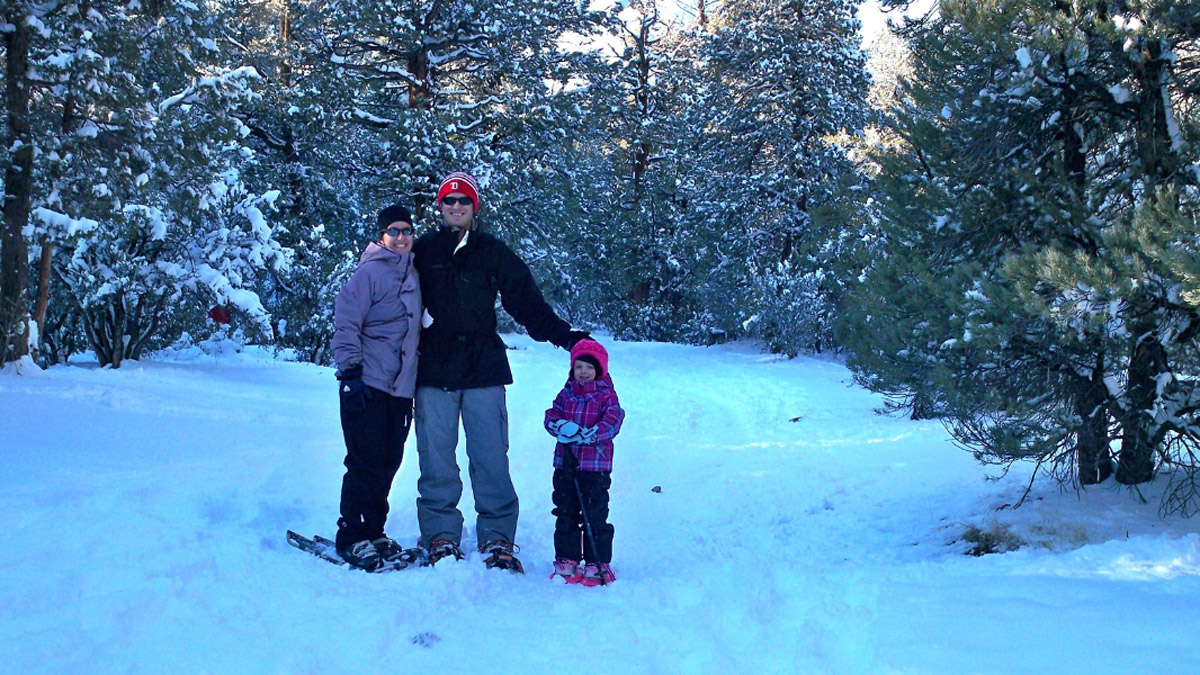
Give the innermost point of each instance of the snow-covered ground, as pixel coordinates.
(794, 532)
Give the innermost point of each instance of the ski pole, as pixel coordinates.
(587, 525)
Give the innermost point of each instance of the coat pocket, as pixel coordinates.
(475, 290)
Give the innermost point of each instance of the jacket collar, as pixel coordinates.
(448, 239)
(377, 251)
(589, 387)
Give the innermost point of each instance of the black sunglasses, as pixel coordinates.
(397, 231)
(451, 201)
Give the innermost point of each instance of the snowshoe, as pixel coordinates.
(364, 555)
(396, 557)
(318, 546)
(569, 570)
(598, 574)
(442, 548)
(500, 556)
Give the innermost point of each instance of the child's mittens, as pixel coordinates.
(567, 431)
(588, 435)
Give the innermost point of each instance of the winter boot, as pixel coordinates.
(443, 548)
(500, 556)
(568, 569)
(598, 574)
(363, 555)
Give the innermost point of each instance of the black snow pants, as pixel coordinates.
(375, 439)
(570, 539)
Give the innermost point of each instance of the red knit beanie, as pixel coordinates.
(592, 352)
(460, 181)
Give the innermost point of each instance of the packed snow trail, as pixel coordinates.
(792, 530)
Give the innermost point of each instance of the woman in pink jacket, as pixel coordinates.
(585, 417)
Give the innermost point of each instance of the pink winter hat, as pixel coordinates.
(592, 352)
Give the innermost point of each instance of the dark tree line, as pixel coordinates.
(1004, 238)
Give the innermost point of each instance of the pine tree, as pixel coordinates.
(302, 145)
(792, 79)
(1039, 137)
(371, 103)
(639, 258)
(15, 323)
(542, 167)
(134, 182)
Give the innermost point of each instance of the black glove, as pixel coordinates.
(351, 390)
(575, 336)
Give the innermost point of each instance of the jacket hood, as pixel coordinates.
(377, 251)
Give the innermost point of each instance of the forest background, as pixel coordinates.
(993, 220)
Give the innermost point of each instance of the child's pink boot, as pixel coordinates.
(598, 574)
(568, 569)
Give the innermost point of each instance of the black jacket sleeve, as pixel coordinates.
(523, 300)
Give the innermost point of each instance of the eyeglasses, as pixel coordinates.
(451, 201)
(397, 231)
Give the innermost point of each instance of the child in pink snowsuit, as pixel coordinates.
(585, 417)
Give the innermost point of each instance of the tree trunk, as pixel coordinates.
(641, 153)
(1092, 454)
(18, 183)
(420, 94)
(1158, 161)
(117, 332)
(105, 329)
(285, 25)
(1142, 434)
(43, 291)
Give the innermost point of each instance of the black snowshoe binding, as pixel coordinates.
(364, 555)
(379, 555)
(396, 557)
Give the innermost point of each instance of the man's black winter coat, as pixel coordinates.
(461, 348)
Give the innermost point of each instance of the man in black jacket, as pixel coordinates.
(464, 369)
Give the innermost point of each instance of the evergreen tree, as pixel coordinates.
(303, 145)
(643, 273)
(371, 103)
(20, 20)
(134, 182)
(792, 79)
(1044, 160)
(542, 171)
